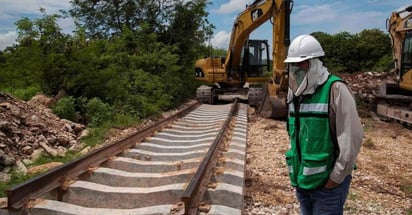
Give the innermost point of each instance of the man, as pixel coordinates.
(324, 129)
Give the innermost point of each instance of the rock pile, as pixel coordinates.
(28, 129)
(365, 85)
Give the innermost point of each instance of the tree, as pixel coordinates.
(373, 45)
(189, 29)
(340, 51)
(326, 41)
(345, 52)
(22, 67)
(105, 18)
(175, 22)
(39, 59)
(136, 56)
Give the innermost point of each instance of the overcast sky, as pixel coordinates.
(329, 16)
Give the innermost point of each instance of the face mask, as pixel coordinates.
(306, 83)
(299, 74)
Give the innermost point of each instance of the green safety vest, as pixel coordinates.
(312, 154)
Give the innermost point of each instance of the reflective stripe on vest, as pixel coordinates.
(309, 170)
(313, 170)
(306, 108)
(290, 169)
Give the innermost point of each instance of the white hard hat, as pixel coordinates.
(302, 48)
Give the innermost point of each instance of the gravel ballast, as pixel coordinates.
(382, 183)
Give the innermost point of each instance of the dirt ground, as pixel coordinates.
(382, 183)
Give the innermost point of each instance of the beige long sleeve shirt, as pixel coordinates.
(349, 130)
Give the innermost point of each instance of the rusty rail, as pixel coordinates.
(20, 195)
(198, 185)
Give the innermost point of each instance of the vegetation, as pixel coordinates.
(125, 61)
(136, 61)
(15, 179)
(369, 144)
(369, 50)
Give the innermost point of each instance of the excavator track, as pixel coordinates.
(209, 95)
(394, 103)
(397, 108)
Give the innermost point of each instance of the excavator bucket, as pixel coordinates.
(273, 107)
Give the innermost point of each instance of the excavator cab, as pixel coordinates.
(406, 62)
(255, 57)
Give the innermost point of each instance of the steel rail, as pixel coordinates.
(20, 195)
(194, 192)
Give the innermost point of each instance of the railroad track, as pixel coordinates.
(190, 163)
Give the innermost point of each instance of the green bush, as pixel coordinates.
(23, 93)
(384, 64)
(98, 112)
(65, 108)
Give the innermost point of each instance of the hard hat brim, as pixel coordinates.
(295, 59)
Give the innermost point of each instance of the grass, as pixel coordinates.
(23, 93)
(70, 155)
(369, 144)
(352, 196)
(98, 134)
(406, 186)
(18, 177)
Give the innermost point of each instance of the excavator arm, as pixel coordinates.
(238, 75)
(400, 30)
(250, 19)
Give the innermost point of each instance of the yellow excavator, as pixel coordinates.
(395, 98)
(246, 73)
